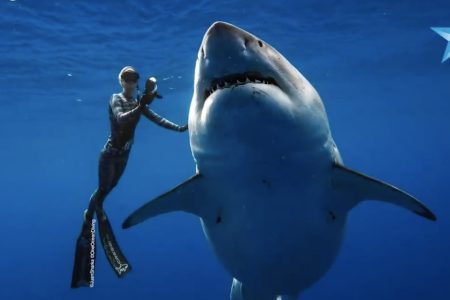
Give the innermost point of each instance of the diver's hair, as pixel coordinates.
(127, 68)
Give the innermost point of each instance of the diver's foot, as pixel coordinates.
(83, 283)
(116, 258)
(87, 223)
(88, 216)
(82, 275)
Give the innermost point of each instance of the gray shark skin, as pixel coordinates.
(270, 189)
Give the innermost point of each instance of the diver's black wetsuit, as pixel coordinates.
(124, 115)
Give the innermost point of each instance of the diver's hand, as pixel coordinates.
(146, 99)
(183, 128)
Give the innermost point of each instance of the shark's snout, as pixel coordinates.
(224, 36)
(231, 57)
(218, 28)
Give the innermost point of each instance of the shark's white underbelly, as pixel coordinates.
(274, 230)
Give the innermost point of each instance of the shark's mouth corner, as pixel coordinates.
(234, 80)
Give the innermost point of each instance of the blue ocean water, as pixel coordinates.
(377, 66)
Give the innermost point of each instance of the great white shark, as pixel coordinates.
(270, 188)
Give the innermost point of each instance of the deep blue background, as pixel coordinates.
(377, 66)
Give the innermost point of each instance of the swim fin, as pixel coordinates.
(84, 264)
(113, 253)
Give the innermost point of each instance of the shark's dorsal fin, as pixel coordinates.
(363, 187)
(187, 196)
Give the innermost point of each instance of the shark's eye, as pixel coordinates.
(260, 43)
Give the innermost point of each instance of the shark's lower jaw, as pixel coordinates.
(234, 80)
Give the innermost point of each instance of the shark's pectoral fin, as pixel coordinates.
(361, 187)
(241, 292)
(187, 196)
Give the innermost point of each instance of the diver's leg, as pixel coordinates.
(120, 164)
(85, 252)
(116, 258)
(106, 178)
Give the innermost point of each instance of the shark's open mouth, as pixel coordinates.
(233, 80)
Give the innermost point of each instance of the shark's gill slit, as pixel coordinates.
(332, 215)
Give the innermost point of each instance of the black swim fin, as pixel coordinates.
(84, 264)
(113, 253)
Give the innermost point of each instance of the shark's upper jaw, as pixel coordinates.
(233, 80)
(230, 57)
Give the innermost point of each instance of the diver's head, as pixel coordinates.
(128, 79)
